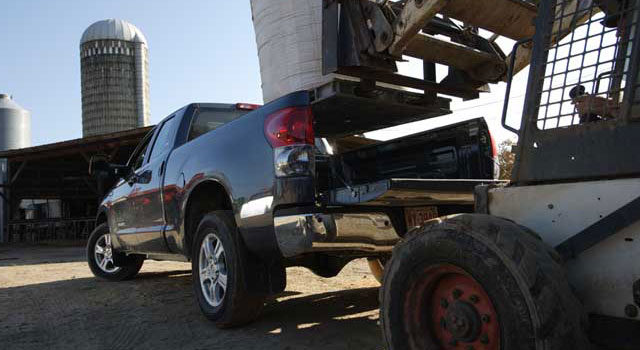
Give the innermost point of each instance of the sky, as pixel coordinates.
(199, 51)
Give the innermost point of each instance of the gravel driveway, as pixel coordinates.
(50, 300)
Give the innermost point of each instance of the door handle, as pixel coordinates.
(161, 170)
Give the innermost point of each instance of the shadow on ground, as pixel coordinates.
(22, 254)
(157, 310)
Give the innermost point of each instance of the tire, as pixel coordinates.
(376, 266)
(229, 305)
(477, 281)
(128, 265)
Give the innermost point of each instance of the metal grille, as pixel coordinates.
(589, 63)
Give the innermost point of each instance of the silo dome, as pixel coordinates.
(114, 29)
(15, 124)
(114, 69)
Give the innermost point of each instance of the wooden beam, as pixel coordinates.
(410, 82)
(17, 173)
(509, 18)
(478, 64)
(414, 16)
(85, 156)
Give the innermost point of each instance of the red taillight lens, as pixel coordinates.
(293, 125)
(494, 149)
(247, 106)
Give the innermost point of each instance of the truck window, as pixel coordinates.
(164, 139)
(207, 119)
(137, 158)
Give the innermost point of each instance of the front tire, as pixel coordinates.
(101, 256)
(217, 260)
(476, 281)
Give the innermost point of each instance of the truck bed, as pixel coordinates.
(440, 165)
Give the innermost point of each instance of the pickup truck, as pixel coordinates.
(243, 191)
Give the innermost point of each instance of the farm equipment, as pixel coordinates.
(550, 260)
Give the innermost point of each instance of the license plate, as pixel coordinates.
(417, 216)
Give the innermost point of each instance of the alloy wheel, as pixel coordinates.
(103, 253)
(213, 270)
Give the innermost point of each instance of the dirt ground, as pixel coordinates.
(50, 300)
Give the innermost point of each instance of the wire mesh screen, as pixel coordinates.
(588, 63)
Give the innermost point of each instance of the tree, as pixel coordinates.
(506, 158)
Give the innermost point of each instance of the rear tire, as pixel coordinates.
(100, 257)
(218, 261)
(478, 281)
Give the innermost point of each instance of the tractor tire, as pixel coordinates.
(474, 281)
(218, 262)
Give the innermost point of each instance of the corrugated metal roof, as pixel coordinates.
(76, 145)
(116, 29)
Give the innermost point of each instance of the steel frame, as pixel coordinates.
(579, 151)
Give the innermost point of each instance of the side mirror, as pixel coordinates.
(98, 165)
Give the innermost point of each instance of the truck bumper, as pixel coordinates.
(305, 233)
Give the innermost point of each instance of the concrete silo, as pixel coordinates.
(15, 132)
(115, 78)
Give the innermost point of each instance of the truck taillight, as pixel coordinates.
(494, 149)
(494, 155)
(290, 133)
(293, 125)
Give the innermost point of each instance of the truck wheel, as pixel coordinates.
(218, 258)
(100, 256)
(478, 282)
(376, 266)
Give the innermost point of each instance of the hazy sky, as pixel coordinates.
(201, 51)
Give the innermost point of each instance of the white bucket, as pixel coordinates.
(289, 38)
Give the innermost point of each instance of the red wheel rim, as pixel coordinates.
(448, 309)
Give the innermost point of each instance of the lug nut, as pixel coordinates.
(444, 303)
(484, 339)
(457, 293)
(474, 299)
(485, 318)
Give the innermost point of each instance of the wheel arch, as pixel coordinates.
(206, 196)
(101, 217)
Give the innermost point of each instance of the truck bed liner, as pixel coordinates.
(408, 192)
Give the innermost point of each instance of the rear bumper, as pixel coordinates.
(364, 232)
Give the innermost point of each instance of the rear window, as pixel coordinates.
(207, 119)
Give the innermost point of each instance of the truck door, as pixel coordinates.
(148, 202)
(122, 197)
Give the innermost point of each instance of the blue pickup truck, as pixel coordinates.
(244, 191)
